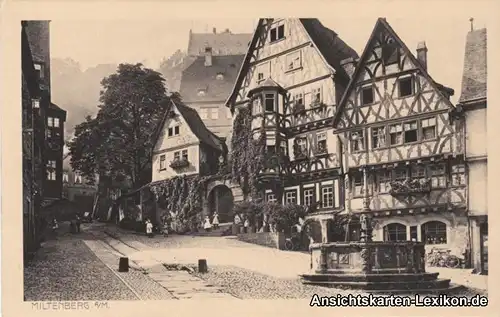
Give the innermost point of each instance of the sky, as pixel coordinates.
(93, 42)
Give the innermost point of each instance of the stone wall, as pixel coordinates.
(267, 239)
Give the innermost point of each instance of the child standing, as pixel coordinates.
(207, 226)
(149, 228)
(215, 221)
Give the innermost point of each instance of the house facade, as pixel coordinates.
(473, 101)
(402, 146)
(54, 134)
(212, 65)
(34, 105)
(77, 188)
(291, 81)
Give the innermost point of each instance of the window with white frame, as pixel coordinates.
(51, 170)
(410, 132)
(327, 199)
(458, 175)
(298, 99)
(173, 131)
(395, 232)
(214, 113)
(396, 134)
(163, 159)
(378, 137)
(358, 187)
(309, 196)
(39, 70)
(270, 102)
(357, 141)
(65, 177)
(277, 31)
(434, 232)
(177, 156)
(383, 181)
(293, 61)
(270, 197)
(257, 107)
(35, 103)
(428, 128)
(317, 97)
(321, 145)
(203, 113)
(185, 155)
(50, 122)
(291, 197)
(302, 145)
(438, 175)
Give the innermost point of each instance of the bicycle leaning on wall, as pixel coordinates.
(443, 258)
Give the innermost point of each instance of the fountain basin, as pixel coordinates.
(375, 266)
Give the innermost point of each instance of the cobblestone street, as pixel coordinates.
(85, 267)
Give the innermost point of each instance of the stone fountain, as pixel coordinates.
(373, 266)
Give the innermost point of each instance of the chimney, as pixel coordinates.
(422, 54)
(208, 56)
(214, 30)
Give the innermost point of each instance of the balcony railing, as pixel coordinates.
(410, 186)
(179, 163)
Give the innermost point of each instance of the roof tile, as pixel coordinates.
(475, 66)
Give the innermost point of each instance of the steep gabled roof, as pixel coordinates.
(225, 43)
(28, 69)
(380, 26)
(195, 123)
(198, 76)
(475, 67)
(330, 47)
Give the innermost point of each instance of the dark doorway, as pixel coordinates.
(484, 248)
(221, 200)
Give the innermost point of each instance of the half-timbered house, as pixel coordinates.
(402, 146)
(291, 80)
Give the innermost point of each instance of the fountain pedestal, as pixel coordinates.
(375, 266)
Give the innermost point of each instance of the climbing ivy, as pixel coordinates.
(183, 196)
(247, 154)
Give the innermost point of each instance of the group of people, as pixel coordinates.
(208, 226)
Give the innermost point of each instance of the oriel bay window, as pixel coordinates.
(434, 232)
(291, 197)
(327, 198)
(395, 232)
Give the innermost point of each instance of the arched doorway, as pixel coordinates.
(221, 200)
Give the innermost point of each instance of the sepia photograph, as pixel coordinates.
(326, 160)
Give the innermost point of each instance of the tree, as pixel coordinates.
(118, 142)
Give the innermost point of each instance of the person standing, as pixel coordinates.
(246, 224)
(207, 225)
(78, 222)
(215, 221)
(149, 228)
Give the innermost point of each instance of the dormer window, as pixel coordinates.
(270, 103)
(277, 32)
(220, 76)
(201, 92)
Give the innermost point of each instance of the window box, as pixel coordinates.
(299, 109)
(410, 186)
(179, 163)
(318, 106)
